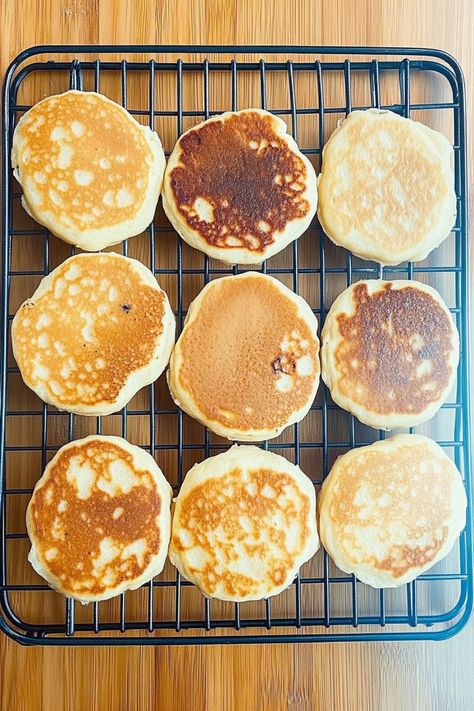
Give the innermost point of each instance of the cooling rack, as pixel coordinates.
(172, 88)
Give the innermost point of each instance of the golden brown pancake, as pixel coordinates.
(243, 524)
(89, 171)
(238, 188)
(386, 188)
(97, 329)
(389, 511)
(99, 519)
(389, 352)
(246, 364)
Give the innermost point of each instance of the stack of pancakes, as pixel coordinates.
(246, 365)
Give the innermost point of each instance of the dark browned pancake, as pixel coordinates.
(238, 184)
(390, 351)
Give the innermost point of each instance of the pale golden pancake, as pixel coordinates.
(390, 351)
(246, 364)
(238, 188)
(243, 524)
(96, 330)
(90, 173)
(389, 511)
(386, 189)
(99, 519)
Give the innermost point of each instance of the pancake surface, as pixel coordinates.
(96, 330)
(389, 352)
(386, 189)
(244, 523)
(99, 519)
(238, 188)
(90, 173)
(389, 511)
(246, 364)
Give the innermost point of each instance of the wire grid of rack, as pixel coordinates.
(314, 615)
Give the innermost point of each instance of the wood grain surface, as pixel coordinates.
(377, 676)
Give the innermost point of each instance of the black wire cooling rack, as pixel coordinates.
(321, 85)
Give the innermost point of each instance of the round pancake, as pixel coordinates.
(243, 524)
(386, 190)
(389, 511)
(238, 188)
(99, 519)
(96, 330)
(90, 173)
(389, 352)
(246, 364)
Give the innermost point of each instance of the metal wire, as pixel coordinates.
(304, 624)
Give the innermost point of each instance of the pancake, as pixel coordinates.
(246, 364)
(238, 188)
(243, 524)
(389, 511)
(99, 519)
(96, 330)
(390, 351)
(386, 189)
(90, 173)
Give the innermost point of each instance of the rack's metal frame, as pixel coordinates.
(421, 624)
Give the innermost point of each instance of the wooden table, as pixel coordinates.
(385, 676)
